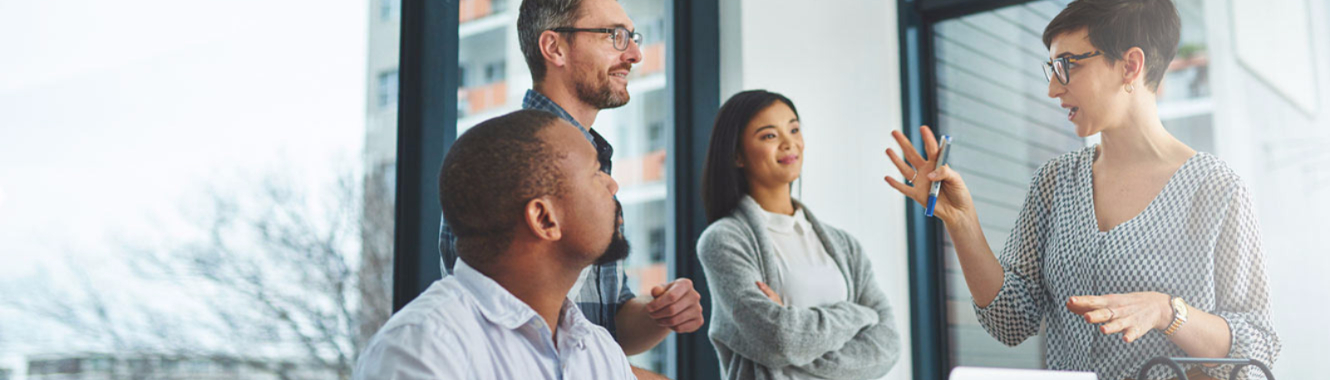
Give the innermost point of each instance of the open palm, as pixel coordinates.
(954, 199)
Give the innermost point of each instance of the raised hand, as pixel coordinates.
(919, 174)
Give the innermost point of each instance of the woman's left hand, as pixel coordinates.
(1132, 314)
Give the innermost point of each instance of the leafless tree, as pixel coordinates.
(279, 271)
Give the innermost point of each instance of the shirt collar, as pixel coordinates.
(537, 101)
(504, 309)
(778, 222)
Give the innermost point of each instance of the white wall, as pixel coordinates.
(1281, 152)
(838, 62)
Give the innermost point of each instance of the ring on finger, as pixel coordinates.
(916, 175)
(1112, 314)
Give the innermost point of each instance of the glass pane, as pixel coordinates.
(993, 99)
(494, 77)
(195, 189)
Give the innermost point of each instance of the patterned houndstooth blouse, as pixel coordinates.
(1197, 239)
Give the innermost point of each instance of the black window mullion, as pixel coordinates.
(694, 73)
(426, 126)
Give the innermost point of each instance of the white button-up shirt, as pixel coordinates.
(466, 326)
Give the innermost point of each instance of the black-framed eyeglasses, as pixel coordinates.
(1061, 67)
(621, 35)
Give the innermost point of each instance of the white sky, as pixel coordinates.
(113, 113)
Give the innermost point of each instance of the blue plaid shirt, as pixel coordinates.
(603, 290)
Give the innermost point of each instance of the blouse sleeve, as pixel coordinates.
(1242, 290)
(1015, 313)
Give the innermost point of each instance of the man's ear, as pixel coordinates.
(1133, 62)
(553, 48)
(542, 220)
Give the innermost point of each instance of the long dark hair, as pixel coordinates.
(723, 182)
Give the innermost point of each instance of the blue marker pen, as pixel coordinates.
(944, 147)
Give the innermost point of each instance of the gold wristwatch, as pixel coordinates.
(1179, 315)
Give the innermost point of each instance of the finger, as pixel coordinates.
(942, 174)
(667, 298)
(1133, 333)
(911, 155)
(1114, 327)
(657, 291)
(676, 297)
(683, 316)
(670, 311)
(690, 326)
(1098, 316)
(766, 289)
(930, 141)
(680, 288)
(686, 323)
(905, 190)
(905, 169)
(1086, 303)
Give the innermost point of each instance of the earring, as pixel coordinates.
(1129, 88)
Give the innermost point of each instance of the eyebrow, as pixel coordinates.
(759, 130)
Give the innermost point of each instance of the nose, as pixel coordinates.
(1055, 88)
(790, 141)
(613, 185)
(633, 54)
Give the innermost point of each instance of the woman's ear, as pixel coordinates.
(1133, 62)
(552, 48)
(542, 220)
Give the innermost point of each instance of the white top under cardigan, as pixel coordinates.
(809, 274)
(756, 339)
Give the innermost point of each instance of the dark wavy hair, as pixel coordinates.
(723, 182)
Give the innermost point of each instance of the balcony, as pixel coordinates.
(477, 99)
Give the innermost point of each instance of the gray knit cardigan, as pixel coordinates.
(757, 339)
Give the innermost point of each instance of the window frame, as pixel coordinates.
(427, 126)
(930, 342)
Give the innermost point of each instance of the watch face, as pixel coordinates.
(1180, 307)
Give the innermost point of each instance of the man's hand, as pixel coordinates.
(677, 306)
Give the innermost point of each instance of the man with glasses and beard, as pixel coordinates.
(530, 208)
(580, 53)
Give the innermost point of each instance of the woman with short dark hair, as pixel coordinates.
(792, 297)
(1134, 248)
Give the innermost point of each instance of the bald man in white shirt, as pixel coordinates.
(530, 207)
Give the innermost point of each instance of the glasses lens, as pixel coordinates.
(1060, 70)
(621, 37)
(637, 39)
(1048, 71)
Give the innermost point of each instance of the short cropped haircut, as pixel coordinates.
(489, 175)
(1116, 26)
(535, 17)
